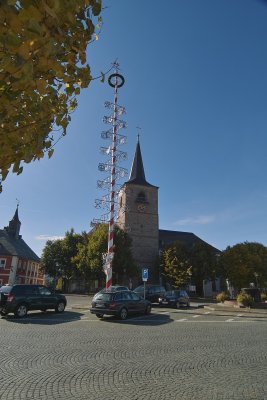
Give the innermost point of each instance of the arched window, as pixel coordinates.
(141, 198)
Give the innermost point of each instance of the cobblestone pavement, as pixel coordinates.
(171, 354)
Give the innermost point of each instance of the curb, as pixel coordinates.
(250, 311)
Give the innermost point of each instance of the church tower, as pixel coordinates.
(138, 214)
(14, 225)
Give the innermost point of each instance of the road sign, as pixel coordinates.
(144, 274)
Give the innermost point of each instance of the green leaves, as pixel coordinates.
(102, 79)
(176, 264)
(240, 263)
(50, 153)
(181, 264)
(42, 49)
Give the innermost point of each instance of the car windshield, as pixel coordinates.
(139, 289)
(5, 289)
(173, 293)
(103, 296)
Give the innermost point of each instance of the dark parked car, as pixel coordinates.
(114, 288)
(175, 298)
(120, 303)
(19, 299)
(255, 293)
(153, 292)
(54, 290)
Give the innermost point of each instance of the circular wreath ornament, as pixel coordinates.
(112, 80)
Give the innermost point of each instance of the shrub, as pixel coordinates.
(263, 296)
(244, 299)
(221, 297)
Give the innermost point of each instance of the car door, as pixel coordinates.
(182, 298)
(151, 294)
(138, 304)
(48, 299)
(28, 294)
(127, 301)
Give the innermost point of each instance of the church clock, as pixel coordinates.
(141, 208)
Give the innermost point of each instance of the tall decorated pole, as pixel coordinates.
(116, 81)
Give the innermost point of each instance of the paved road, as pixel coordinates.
(171, 354)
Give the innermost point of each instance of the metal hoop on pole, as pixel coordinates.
(119, 80)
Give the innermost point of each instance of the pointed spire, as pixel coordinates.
(14, 225)
(137, 174)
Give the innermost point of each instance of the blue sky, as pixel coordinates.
(196, 83)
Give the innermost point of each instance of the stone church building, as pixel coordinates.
(138, 215)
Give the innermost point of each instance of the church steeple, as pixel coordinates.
(137, 174)
(14, 225)
(138, 214)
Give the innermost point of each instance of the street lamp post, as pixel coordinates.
(160, 265)
(190, 278)
(256, 277)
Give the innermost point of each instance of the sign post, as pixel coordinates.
(144, 278)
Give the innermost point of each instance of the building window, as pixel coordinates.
(2, 262)
(141, 198)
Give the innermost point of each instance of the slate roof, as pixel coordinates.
(12, 246)
(137, 174)
(11, 242)
(187, 238)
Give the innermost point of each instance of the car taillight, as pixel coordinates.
(112, 305)
(10, 297)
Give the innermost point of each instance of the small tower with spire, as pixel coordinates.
(13, 228)
(138, 214)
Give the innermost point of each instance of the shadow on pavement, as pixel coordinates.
(46, 318)
(151, 319)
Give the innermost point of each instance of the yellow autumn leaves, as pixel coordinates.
(42, 68)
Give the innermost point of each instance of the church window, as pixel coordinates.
(141, 197)
(2, 262)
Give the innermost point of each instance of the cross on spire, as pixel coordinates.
(138, 132)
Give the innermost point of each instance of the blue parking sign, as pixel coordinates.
(145, 274)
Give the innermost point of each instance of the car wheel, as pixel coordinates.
(100, 315)
(123, 313)
(60, 307)
(177, 305)
(21, 311)
(148, 309)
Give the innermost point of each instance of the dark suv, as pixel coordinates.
(120, 303)
(175, 298)
(19, 299)
(255, 293)
(153, 292)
